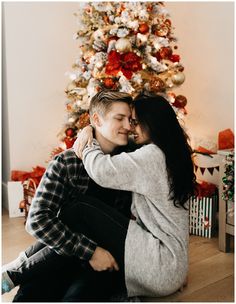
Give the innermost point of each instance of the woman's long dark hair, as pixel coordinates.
(157, 117)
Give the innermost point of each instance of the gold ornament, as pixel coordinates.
(157, 85)
(178, 78)
(123, 45)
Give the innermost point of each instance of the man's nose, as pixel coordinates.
(127, 125)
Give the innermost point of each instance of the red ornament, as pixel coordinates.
(180, 101)
(158, 56)
(109, 83)
(143, 28)
(70, 132)
(175, 58)
(149, 8)
(168, 22)
(127, 63)
(69, 142)
(112, 38)
(106, 19)
(165, 52)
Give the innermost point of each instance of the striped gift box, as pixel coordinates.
(202, 215)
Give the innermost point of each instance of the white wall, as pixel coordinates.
(39, 49)
(205, 32)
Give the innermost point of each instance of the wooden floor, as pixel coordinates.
(211, 272)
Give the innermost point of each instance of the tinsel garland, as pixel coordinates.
(228, 178)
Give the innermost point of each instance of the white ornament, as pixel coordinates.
(102, 6)
(113, 31)
(111, 46)
(125, 17)
(141, 39)
(159, 42)
(98, 35)
(123, 45)
(134, 25)
(143, 15)
(125, 85)
(156, 65)
(79, 91)
(178, 78)
(137, 78)
(122, 32)
(92, 87)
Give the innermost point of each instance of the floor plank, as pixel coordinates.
(211, 272)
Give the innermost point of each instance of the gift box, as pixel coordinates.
(202, 215)
(206, 167)
(15, 195)
(21, 190)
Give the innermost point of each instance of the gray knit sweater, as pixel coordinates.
(156, 247)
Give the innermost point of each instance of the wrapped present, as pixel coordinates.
(205, 189)
(15, 195)
(206, 167)
(29, 182)
(202, 215)
(226, 139)
(35, 175)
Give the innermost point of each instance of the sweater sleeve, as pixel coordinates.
(43, 222)
(126, 171)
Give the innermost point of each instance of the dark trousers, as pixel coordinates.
(64, 278)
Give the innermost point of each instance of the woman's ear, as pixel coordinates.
(96, 119)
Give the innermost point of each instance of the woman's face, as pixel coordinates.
(141, 137)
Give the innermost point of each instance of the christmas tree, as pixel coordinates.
(124, 46)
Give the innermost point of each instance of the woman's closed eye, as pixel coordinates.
(134, 122)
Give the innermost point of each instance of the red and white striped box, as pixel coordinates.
(202, 215)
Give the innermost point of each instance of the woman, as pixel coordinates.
(160, 175)
(152, 250)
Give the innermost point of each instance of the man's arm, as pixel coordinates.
(43, 222)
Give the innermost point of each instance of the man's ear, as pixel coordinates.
(96, 120)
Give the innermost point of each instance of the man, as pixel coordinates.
(64, 179)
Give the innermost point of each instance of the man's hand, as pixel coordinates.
(83, 138)
(103, 260)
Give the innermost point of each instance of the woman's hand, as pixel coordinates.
(102, 260)
(83, 138)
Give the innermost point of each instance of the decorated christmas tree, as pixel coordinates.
(124, 46)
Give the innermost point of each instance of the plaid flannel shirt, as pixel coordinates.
(64, 177)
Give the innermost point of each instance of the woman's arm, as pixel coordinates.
(126, 171)
(84, 137)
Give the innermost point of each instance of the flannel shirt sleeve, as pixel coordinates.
(43, 222)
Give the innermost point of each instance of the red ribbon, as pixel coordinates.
(205, 189)
(35, 175)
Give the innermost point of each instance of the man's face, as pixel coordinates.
(115, 125)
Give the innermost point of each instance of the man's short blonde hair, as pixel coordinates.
(103, 100)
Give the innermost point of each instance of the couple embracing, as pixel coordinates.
(111, 217)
